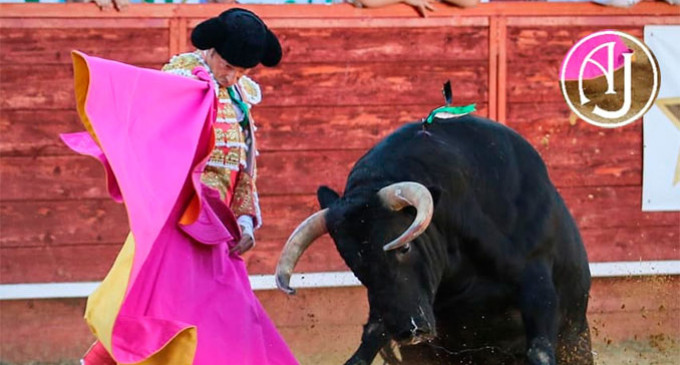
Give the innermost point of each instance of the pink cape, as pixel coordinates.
(154, 134)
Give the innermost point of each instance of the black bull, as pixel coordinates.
(467, 250)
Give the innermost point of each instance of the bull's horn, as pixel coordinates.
(303, 236)
(400, 195)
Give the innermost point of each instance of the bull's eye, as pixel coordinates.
(405, 248)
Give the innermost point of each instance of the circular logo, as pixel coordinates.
(610, 79)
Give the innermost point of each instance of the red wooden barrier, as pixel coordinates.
(322, 109)
(349, 76)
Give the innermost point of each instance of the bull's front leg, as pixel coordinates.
(373, 339)
(538, 304)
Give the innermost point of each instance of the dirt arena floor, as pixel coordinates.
(656, 350)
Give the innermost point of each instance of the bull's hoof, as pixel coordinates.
(354, 361)
(541, 352)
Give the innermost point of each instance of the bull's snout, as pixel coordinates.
(418, 332)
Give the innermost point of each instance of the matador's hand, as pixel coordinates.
(245, 222)
(246, 243)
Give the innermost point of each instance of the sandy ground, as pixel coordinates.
(660, 350)
(656, 351)
(653, 351)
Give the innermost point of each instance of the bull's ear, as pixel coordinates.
(436, 192)
(326, 196)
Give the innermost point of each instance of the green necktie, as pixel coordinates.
(241, 105)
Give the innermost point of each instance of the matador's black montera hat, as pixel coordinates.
(240, 37)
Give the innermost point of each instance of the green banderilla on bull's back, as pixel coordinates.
(453, 111)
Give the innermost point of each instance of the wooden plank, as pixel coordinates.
(31, 223)
(92, 262)
(32, 133)
(501, 91)
(74, 22)
(535, 56)
(383, 44)
(564, 172)
(39, 87)
(333, 127)
(300, 172)
(604, 22)
(393, 83)
(546, 43)
(579, 154)
(512, 8)
(280, 173)
(52, 178)
(43, 330)
(551, 137)
(183, 35)
(534, 82)
(609, 218)
(56, 264)
(80, 177)
(69, 222)
(494, 50)
(535, 60)
(174, 45)
(35, 133)
(602, 244)
(376, 22)
(572, 154)
(377, 83)
(321, 256)
(188, 46)
(615, 206)
(487, 9)
(52, 46)
(75, 10)
(335, 11)
(632, 243)
(281, 214)
(46, 87)
(569, 151)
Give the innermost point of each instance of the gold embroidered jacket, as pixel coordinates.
(231, 169)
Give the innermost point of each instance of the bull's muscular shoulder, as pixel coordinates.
(467, 138)
(526, 154)
(477, 128)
